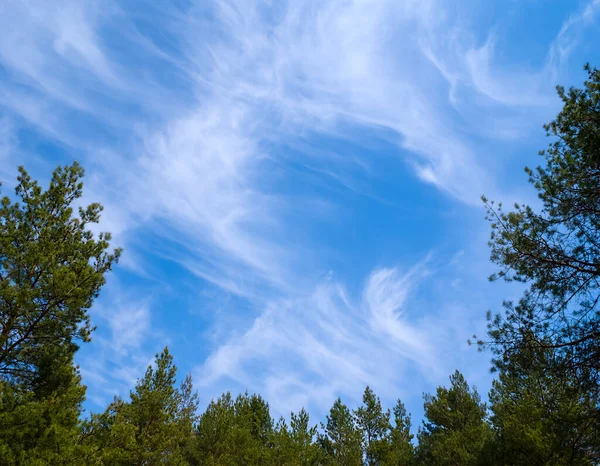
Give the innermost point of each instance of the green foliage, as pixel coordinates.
(41, 426)
(303, 436)
(282, 446)
(51, 270)
(295, 445)
(235, 432)
(454, 429)
(375, 426)
(155, 427)
(342, 439)
(539, 418)
(216, 433)
(546, 345)
(556, 250)
(401, 452)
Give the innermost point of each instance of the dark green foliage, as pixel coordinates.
(539, 418)
(295, 445)
(454, 430)
(155, 426)
(303, 436)
(556, 250)
(235, 432)
(375, 426)
(547, 344)
(215, 439)
(401, 451)
(342, 439)
(41, 426)
(51, 269)
(281, 444)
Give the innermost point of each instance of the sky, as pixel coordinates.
(296, 184)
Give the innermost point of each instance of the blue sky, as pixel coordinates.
(296, 184)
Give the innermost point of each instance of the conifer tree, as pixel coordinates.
(539, 417)
(401, 449)
(235, 432)
(295, 445)
(155, 426)
(454, 429)
(52, 267)
(40, 425)
(555, 249)
(374, 423)
(342, 440)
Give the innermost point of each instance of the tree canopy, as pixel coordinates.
(546, 345)
(51, 269)
(555, 250)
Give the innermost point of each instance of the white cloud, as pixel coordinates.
(571, 32)
(123, 347)
(7, 145)
(311, 349)
(188, 142)
(48, 46)
(196, 165)
(198, 176)
(129, 326)
(511, 87)
(339, 62)
(385, 296)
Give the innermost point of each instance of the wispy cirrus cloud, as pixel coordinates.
(332, 342)
(6, 141)
(253, 78)
(123, 346)
(212, 131)
(310, 349)
(572, 31)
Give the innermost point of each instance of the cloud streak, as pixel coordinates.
(252, 79)
(326, 343)
(211, 132)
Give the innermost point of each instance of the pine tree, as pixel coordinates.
(51, 270)
(342, 440)
(401, 451)
(40, 425)
(295, 445)
(282, 446)
(540, 418)
(454, 429)
(555, 250)
(214, 439)
(155, 426)
(375, 426)
(235, 432)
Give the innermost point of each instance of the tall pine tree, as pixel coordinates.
(374, 423)
(342, 439)
(454, 429)
(540, 417)
(52, 267)
(555, 250)
(401, 451)
(155, 426)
